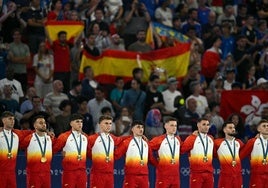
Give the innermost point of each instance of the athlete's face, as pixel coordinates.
(77, 125)
(40, 125)
(138, 130)
(263, 129)
(106, 125)
(203, 126)
(171, 127)
(8, 122)
(229, 129)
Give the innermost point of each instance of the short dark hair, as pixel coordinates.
(7, 114)
(262, 121)
(76, 116)
(106, 109)
(136, 70)
(137, 122)
(202, 119)
(62, 33)
(169, 118)
(36, 117)
(86, 68)
(64, 103)
(105, 117)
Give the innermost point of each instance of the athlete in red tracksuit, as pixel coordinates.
(9, 143)
(137, 154)
(257, 149)
(39, 155)
(227, 149)
(200, 148)
(101, 152)
(168, 150)
(74, 145)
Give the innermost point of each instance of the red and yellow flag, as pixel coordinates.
(73, 28)
(113, 63)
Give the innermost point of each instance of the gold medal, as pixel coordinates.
(172, 161)
(264, 162)
(205, 159)
(233, 163)
(107, 159)
(9, 155)
(79, 157)
(43, 159)
(141, 162)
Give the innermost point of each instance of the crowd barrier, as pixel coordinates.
(56, 171)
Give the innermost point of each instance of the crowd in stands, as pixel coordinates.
(229, 51)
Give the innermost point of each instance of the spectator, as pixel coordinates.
(202, 104)
(56, 12)
(88, 83)
(262, 32)
(137, 15)
(192, 75)
(229, 78)
(116, 43)
(117, 94)
(123, 122)
(192, 22)
(90, 46)
(228, 41)
(43, 64)
(96, 104)
(75, 59)
(207, 29)
(211, 60)
(227, 16)
(27, 105)
(62, 120)
(249, 31)
(163, 14)
(241, 16)
(53, 99)
(187, 118)
(251, 80)
(36, 17)
(216, 119)
(203, 12)
(137, 74)
(239, 125)
(170, 94)
(262, 9)
(153, 123)
(99, 19)
(19, 57)
(134, 100)
(242, 58)
(262, 84)
(10, 104)
(62, 60)
(17, 92)
(11, 20)
(74, 93)
(140, 45)
(114, 10)
(88, 126)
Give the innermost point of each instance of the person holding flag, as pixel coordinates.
(200, 148)
(168, 152)
(257, 150)
(38, 147)
(227, 150)
(74, 145)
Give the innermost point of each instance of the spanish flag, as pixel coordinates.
(113, 63)
(73, 28)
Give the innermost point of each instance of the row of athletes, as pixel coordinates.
(103, 148)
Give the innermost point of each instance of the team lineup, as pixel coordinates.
(103, 148)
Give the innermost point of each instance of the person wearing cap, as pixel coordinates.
(101, 152)
(38, 147)
(256, 149)
(227, 149)
(262, 84)
(137, 156)
(200, 148)
(168, 153)
(170, 94)
(74, 147)
(9, 143)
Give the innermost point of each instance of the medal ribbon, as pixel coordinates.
(9, 146)
(107, 150)
(43, 151)
(205, 148)
(78, 147)
(172, 151)
(265, 152)
(140, 148)
(230, 149)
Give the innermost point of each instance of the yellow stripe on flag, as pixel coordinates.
(73, 28)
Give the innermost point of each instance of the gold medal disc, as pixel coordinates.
(205, 159)
(107, 159)
(43, 159)
(141, 162)
(233, 163)
(9, 155)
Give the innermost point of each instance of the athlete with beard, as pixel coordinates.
(227, 150)
(38, 147)
(257, 150)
